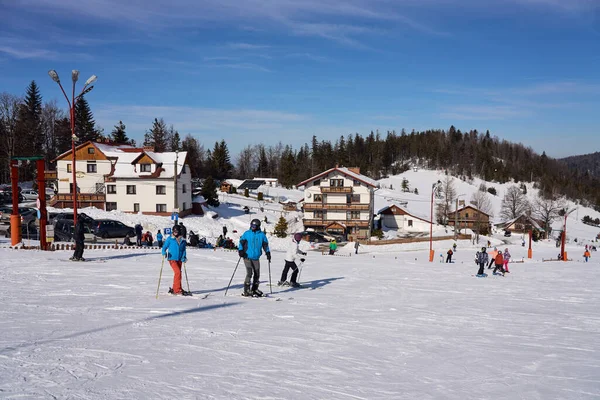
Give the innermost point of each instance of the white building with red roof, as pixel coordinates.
(339, 201)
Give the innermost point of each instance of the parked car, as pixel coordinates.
(29, 194)
(6, 197)
(507, 233)
(69, 215)
(63, 231)
(320, 237)
(28, 231)
(6, 211)
(107, 228)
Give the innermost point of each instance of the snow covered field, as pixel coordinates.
(380, 325)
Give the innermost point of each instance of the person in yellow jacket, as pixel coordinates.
(332, 247)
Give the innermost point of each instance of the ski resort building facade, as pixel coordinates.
(397, 218)
(472, 218)
(125, 178)
(339, 201)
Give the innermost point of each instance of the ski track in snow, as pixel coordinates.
(372, 326)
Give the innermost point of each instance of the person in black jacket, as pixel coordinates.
(79, 237)
(138, 233)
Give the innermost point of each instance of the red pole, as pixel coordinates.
(15, 218)
(530, 252)
(431, 253)
(42, 198)
(564, 236)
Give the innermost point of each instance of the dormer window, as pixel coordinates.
(145, 167)
(91, 150)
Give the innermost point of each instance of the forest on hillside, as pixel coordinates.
(28, 126)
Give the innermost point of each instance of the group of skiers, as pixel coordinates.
(498, 259)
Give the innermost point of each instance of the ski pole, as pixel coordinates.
(270, 284)
(236, 266)
(300, 272)
(186, 278)
(160, 276)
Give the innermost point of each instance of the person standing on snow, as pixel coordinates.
(79, 238)
(159, 239)
(454, 247)
(586, 255)
(493, 257)
(290, 262)
(506, 257)
(138, 233)
(449, 258)
(332, 247)
(252, 243)
(174, 250)
(356, 246)
(499, 261)
(482, 260)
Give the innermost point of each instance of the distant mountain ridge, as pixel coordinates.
(589, 163)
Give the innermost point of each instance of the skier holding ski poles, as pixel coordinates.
(290, 262)
(252, 243)
(174, 250)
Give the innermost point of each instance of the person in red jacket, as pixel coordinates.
(499, 260)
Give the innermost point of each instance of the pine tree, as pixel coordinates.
(288, 176)
(118, 134)
(157, 136)
(195, 155)
(281, 228)
(175, 140)
(29, 133)
(220, 162)
(209, 192)
(85, 126)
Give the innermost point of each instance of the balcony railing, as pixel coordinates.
(336, 189)
(335, 206)
(325, 222)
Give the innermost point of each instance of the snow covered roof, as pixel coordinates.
(345, 171)
(403, 208)
(235, 182)
(469, 206)
(534, 223)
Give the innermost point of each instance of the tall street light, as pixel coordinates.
(86, 89)
(563, 253)
(434, 188)
(456, 216)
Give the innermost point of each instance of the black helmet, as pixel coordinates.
(255, 224)
(176, 230)
(483, 249)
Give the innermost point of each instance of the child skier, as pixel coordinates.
(493, 255)
(449, 258)
(506, 257)
(252, 243)
(499, 260)
(290, 262)
(174, 250)
(586, 255)
(482, 259)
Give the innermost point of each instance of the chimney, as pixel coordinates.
(356, 170)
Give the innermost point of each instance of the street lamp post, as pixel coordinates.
(86, 89)
(456, 217)
(431, 252)
(563, 253)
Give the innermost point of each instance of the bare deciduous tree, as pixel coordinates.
(9, 116)
(481, 201)
(448, 193)
(514, 204)
(547, 210)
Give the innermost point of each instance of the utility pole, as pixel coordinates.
(456, 219)
(176, 205)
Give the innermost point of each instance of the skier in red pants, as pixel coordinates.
(174, 250)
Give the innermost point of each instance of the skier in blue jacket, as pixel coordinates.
(174, 250)
(252, 243)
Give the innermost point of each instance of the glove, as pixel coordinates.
(268, 256)
(184, 260)
(242, 253)
(302, 259)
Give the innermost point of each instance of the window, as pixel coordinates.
(111, 205)
(69, 168)
(161, 208)
(317, 182)
(145, 167)
(410, 222)
(111, 189)
(466, 215)
(319, 214)
(356, 183)
(336, 182)
(92, 168)
(318, 197)
(130, 189)
(161, 189)
(184, 188)
(91, 150)
(136, 207)
(352, 198)
(353, 215)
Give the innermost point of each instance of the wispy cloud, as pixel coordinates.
(28, 53)
(247, 46)
(241, 65)
(309, 56)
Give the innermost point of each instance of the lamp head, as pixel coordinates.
(91, 80)
(54, 75)
(75, 75)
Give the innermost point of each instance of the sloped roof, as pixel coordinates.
(412, 214)
(536, 225)
(251, 184)
(345, 171)
(469, 206)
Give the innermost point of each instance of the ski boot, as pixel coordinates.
(72, 259)
(185, 293)
(256, 292)
(283, 283)
(247, 292)
(294, 284)
(81, 259)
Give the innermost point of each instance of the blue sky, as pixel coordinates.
(264, 71)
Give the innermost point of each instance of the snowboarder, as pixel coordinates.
(159, 238)
(586, 255)
(454, 247)
(138, 233)
(499, 261)
(493, 257)
(174, 250)
(356, 246)
(79, 238)
(449, 257)
(290, 262)
(252, 243)
(482, 259)
(506, 257)
(332, 247)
